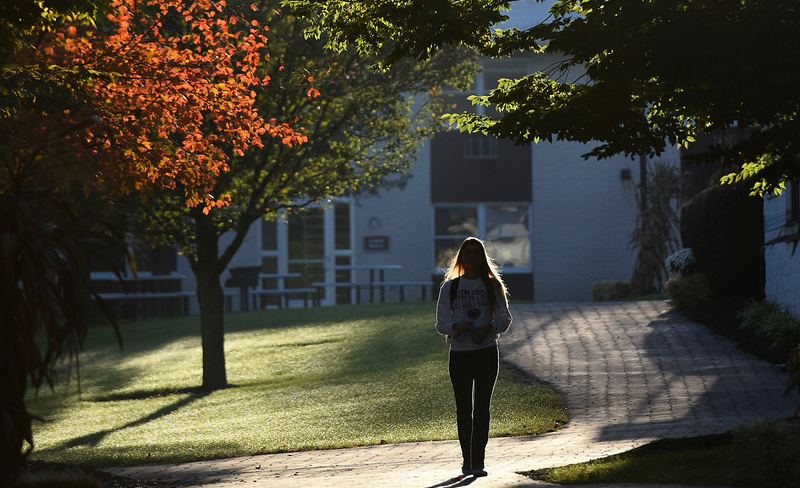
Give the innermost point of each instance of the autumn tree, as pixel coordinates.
(633, 77)
(158, 94)
(21, 18)
(362, 127)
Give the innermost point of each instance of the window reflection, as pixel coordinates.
(445, 251)
(457, 221)
(510, 252)
(507, 220)
(508, 235)
(504, 228)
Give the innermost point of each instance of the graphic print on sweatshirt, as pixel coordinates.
(471, 301)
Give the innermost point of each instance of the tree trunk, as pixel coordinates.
(212, 301)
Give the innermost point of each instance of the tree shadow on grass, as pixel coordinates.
(194, 391)
(93, 439)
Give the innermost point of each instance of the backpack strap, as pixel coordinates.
(453, 292)
(491, 295)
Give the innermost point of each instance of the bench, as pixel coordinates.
(381, 285)
(139, 299)
(283, 294)
(281, 290)
(320, 286)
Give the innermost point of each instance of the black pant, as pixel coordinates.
(473, 375)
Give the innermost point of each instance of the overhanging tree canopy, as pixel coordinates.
(362, 127)
(634, 77)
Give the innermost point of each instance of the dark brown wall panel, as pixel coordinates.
(455, 178)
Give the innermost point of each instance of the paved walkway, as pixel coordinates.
(630, 373)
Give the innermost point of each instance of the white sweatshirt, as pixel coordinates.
(471, 305)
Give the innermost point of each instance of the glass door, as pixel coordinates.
(315, 243)
(306, 249)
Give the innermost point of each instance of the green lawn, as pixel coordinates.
(301, 379)
(763, 455)
(695, 461)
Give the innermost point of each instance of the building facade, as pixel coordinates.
(557, 224)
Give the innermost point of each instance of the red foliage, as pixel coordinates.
(173, 90)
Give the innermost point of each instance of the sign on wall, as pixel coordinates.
(376, 243)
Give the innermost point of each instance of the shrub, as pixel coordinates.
(773, 323)
(767, 454)
(688, 291)
(609, 291)
(682, 262)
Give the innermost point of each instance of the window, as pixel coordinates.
(505, 228)
(452, 225)
(269, 265)
(341, 223)
(307, 247)
(480, 146)
(344, 294)
(508, 236)
(269, 235)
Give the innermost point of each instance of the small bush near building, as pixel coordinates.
(610, 291)
(682, 262)
(767, 454)
(689, 291)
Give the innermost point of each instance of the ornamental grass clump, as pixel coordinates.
(779, 329)
(772, 322)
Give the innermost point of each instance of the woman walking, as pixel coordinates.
(471, 312)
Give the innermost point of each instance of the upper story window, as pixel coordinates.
(479, 146)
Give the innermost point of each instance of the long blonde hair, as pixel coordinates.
(489, 271)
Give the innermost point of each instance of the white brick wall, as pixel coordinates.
(583, 217)
(405, 216)
(782, 259)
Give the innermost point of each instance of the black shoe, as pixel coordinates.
(479, 473)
